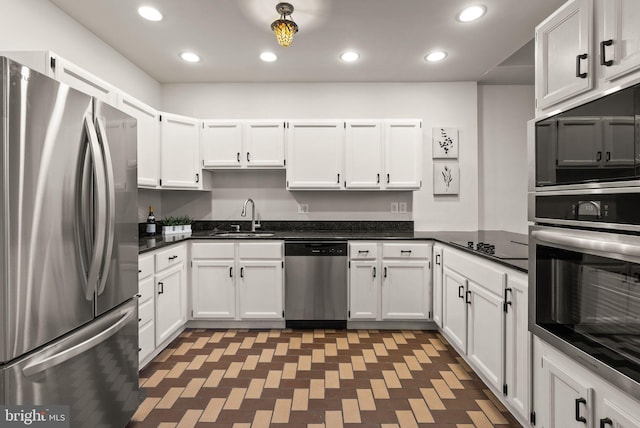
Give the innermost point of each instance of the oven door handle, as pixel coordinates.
(566, 239)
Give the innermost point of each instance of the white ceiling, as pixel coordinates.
(392, 38)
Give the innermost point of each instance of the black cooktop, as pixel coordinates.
(501, 249)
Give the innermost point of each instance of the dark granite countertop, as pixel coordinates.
(510, 248)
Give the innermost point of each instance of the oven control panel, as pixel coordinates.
(617, 208)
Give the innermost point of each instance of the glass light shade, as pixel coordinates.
(284, 29)
(150, 13)
(472, 13)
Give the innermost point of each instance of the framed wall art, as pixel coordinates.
(446, 178)
(445, 143)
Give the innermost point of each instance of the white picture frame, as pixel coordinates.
(446, 178)
(445, 143)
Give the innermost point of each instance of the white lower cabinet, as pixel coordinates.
(146, 301)
(237, 280)
(484, 316)
(567, 395)
(437, 284)
(389, 280)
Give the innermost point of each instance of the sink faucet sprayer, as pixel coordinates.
(254, 223)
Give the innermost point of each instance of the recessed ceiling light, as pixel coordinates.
(150, 13)
(189, 57)
(350, 56)
(435, 56)
(268, 56)
(472, 13)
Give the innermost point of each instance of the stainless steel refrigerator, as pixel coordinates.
(68, 251)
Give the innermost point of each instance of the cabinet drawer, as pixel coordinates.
(146, 341)
(169, 257)
(484, 273)
(145, 312)
(146, 289)
(212, 250)
(406, 250)
(145, 266)
(260, 250)
(363, 250)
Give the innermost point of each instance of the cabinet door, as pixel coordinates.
(364, 289)
(406, 289)
(564, 398)
(260, 289)
(148, 128)
(264, 144)
(213, 289)
(403, 154)
(146, 341)
(180, 151)
(617, 133)
(169, 315)
(437, 285)
(564, 54)
(222, 144)
(315, 154)
(454, 309)
(363, 155)
(517, 345)
(78, 78)
(580, 142)
(614, 415)
(485, 333)
(621, 38)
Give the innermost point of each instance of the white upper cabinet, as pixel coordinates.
(403, 154)
(148, 132)
(264, 143)
(243, 144)
(315, 154)
(564, 54)
(180, 152)
(363, 154)
(221, 144)
(620, 42)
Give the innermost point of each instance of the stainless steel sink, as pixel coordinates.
(242, 234)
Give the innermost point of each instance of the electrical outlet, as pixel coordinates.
(303, 208)
(394, 207)
(402, 207)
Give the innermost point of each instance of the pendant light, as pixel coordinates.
(283, 27)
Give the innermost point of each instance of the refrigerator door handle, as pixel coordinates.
(101, 212)
(39, 366)
(111, 200)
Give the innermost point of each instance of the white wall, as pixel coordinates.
(437, 104)
(503, 115)
(40, 25)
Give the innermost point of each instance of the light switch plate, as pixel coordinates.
(394, 207)
(402, 207)
(303, 208)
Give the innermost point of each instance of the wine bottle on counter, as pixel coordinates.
(151, 222)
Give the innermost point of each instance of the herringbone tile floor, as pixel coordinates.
(320, 378)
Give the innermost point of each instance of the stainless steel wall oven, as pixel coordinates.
(584, 248)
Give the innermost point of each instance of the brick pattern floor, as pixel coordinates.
(319, 378)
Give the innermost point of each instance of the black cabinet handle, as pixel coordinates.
(388, 178)
(197, 177)
(438, 259)
(230, 271)
(460, 291)
(598, 156)
(608, 157)
(374, 271)
(385, 272)
(467, 298)
(242, 272)
(338, 178)
(139, 270)
(506, 302)
(578, 58)
(248, 160)
(363, 251)
(238, 157)
(139, 319)
(578, 417)
(378, 178)
(173, 257)
(603, 45)
(605, 421)
(160, 288)
(405, 251)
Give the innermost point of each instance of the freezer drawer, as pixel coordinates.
(94, 371)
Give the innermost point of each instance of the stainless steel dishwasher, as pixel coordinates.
(315, 284)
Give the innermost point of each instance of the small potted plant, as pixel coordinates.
(183, 224)
(168, 225)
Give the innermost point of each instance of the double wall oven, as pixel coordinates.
(584, 246)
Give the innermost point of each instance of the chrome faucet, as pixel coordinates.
(254, 223)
